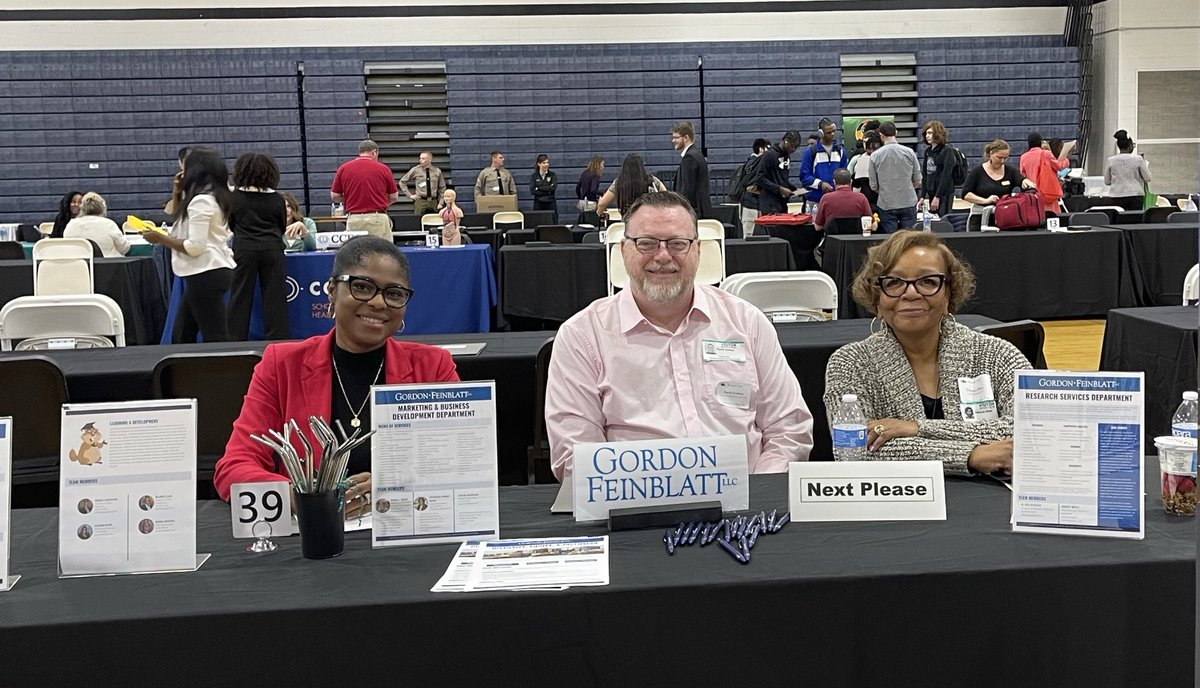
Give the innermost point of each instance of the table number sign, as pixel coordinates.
(251, 504)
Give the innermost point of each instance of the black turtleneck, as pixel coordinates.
(358, 372)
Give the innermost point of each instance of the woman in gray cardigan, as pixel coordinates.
(930, 387)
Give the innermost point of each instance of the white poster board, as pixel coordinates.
(866, 491)
(127, 488)
(617, 475)
(6, 580)
(433, 463)
(1077, 454)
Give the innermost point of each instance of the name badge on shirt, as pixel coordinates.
(977, 401)
(496, 188)
(735, 394)
(1004, 182)
(721, 350)
(420, 185)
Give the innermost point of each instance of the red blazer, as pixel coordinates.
(295, 380)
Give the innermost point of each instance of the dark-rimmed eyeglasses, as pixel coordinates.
(895, 287)
(365, 289)
(650, 245)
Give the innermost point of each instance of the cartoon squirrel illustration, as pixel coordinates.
(89, 447)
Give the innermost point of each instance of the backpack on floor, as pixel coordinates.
(1019, 210)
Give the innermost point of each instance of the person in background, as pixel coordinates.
(819, 161)
(200, 252)
(937, 184)
(330, 375)
(632, 181)
(860, 168)
(543, 184)
(691, 180)
(993, 178)
(258, 219)
(843, 201)
(93, 225)
(771, 175)
(68, 209)
(171, 206)
(587, 189)
(367, 188)
(299, 233)
(895, 175)
(430, 184)
(495, 179)
(1126, 174)
(907, 376)
(1042, 165)
(749, 200)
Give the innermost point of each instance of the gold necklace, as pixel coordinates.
(355, 422)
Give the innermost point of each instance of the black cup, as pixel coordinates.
(322, 535)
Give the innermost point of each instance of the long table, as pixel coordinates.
(455, 289)
(508, 358)
(132, 282)
(556, 282)
(1162, 254)
(1037, 275)
(960, 602)
(1160, 342)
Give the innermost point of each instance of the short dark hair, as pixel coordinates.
(1034, 140)
(256, 169)
(684, 129)
(792, 136)
(366, 146)
(661, 199)
(887, 129)
(760, 145)
(354, 253)
(842, 177)
(496, 152)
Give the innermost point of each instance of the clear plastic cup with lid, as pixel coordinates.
(1177, 464)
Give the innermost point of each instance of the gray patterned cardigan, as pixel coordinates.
(877, 371)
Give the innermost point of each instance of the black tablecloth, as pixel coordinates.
(491, 237)
(408, 222)
(803, 240)
(964, 602)
(134, 283)
(1162, 254)
(1037, 275)
(515, 237)
(1161, 342)
(556, 282)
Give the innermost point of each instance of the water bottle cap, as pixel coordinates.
(1190, 396)
(853, 398)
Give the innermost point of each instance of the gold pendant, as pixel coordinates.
(355, 422)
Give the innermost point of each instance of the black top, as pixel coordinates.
(543, 188)
(588, 186)
(933, 408)
(357, 372)
(938, 180)
(979, 183)
(257, 221)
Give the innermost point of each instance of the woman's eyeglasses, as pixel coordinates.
(365, 289)
(925, 286)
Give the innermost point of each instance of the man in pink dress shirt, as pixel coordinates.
(668, 358)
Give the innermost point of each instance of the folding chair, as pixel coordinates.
(45, 228)
(432, 222)
(37, 415)
(1183, 218)
(1087, 219)
(795, 208)
(1157, 214)
(792, 296)
(840, 226)
(712, 252)
(538, 453)
(78, 321)
(617, 277)
(613, 214)
(63, 266)
(1027, 335)
(591, 238)
(218, 382)
(511, 219)
(1191, 286)
(555, 234)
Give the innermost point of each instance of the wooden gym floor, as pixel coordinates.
(1073, 344)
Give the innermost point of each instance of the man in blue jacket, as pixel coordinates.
(821, 160)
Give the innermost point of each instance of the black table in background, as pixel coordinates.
(555, 282)
(1161, 342)
(964, 602)
(408, 222)
(516, 237)
(1036, 275)
(134, 283)
(803, 240)
(1162, 254)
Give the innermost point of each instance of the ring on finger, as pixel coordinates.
(879, 429)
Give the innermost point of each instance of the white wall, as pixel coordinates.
(499, 30)
(1132, 36)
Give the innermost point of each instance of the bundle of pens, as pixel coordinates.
(335, 453)
(735, 535)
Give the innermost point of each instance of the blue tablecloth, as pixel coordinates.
(455, 289)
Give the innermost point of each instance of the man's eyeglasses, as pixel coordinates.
(365, 289)
(674, 246)
(925, 286)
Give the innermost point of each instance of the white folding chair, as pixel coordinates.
(796, 208)
(712, 252)
(62, 266)
(614, 214)
(507, 217)
(431, 222)
(792, 296)
(1191, 285)
(45, 228)
(77, 321)
(618, 278)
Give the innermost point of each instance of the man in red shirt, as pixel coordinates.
(366, 187)
(843, 201)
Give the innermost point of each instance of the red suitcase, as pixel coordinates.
(1019, 211)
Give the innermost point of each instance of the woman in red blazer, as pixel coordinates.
(331, 375)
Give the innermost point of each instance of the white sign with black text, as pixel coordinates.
(6, 580)
(254, 503)
(866, 491)
(332, 241)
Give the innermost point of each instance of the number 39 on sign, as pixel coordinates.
(251, 503)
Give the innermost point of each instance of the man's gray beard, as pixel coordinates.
(662, 293)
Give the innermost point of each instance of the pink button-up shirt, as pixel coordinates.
(614, 376)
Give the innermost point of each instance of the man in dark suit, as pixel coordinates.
(691, 181)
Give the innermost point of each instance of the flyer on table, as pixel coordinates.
(539, 563)
(1077, 453)
(5, 494)
(127, 487)
(433, 463)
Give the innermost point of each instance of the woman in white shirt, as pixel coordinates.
(92, 224)
(1126, 174)
(199, 242)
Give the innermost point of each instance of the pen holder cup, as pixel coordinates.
(322, 534)
(1177, 465)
